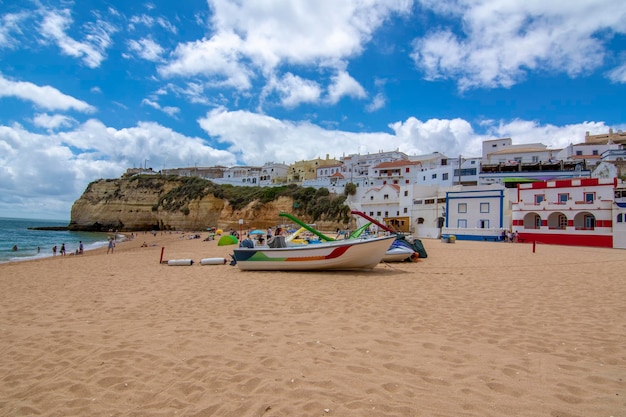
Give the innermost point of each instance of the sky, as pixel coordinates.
(89, 89)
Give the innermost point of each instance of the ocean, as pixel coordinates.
(15, 232)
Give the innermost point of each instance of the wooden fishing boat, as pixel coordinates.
(333, 255)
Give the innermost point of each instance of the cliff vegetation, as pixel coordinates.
(156, 202)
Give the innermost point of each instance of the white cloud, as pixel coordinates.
(253, 39)
(449, 137)
(169, 110)
(377, 103)
(293, 90)
(502, 39)
(257, 138)
(618, 75)
(150, 21)
(342, 85)
(53, 122)
(45, 97)
(97, 39)
(9, 24)
(217, 59)
(42, 175)
(147, 49)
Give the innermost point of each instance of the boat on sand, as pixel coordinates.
(345, 254)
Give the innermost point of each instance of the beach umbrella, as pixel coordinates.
(227, 240)
(257, 232)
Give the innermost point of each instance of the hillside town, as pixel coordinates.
(513, 192)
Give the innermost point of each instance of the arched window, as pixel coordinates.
(585, 221)
(557, 221)
(532, 221)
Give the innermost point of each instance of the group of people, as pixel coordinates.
(63, 250)
(509, 237)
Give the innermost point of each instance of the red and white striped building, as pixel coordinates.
(579, 212)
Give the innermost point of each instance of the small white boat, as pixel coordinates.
(398, 254)
(333, 255)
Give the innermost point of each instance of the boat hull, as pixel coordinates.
(398, 254)
(335, 255)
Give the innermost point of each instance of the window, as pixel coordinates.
(620, 218)
(406, 210)
(537, 222)
(406, 193)
(434, 176)
(594, 152)
(535, 159)
(518, 159)
(484, 207)
(461, 224)
(386, 214)
(462, 208)
(579, 153)
(420, 220)
(386, 197)
(378, 213)
(562, 222)
(590, 197)
(408, 169)
(563, 198)
(444, 176)
(590, 222)
(371, 198)
(483, 224)
(539, 198)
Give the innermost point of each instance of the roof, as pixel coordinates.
(337, 175)
(506, 151)
(396, 187)
(397, 164)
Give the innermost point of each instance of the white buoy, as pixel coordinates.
(180, 262)
(213, 261)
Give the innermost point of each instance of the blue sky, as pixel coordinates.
(88, 89)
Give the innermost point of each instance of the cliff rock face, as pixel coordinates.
(153, 203)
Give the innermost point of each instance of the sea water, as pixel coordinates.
(33, 244)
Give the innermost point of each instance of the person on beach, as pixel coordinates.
(63, 249)
(54, 250)
(14, 248)
(80, 247)
(111, 246)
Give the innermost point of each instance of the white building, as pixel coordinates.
(273, 173)
(476, 213)
(578, 212)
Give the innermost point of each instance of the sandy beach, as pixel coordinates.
(476, 329)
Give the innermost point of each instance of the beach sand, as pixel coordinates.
(476, 329)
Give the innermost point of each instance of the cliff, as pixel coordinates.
(168, 203)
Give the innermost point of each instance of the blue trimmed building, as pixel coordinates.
(476, 213)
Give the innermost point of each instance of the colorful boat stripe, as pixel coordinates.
(259, 256)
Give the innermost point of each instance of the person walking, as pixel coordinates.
(63, 249)
(111, 246)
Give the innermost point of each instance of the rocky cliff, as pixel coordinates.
(168, 203)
